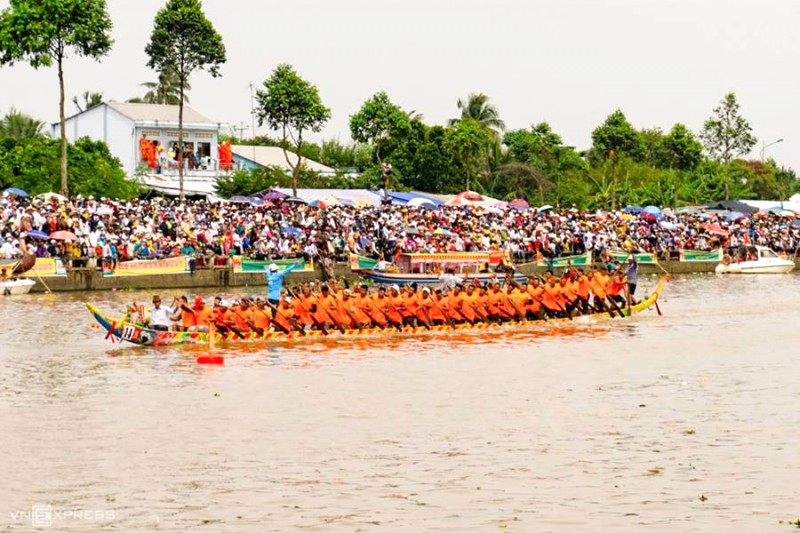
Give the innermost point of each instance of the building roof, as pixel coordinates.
(350, 196)
(272, 156)
(158, 113)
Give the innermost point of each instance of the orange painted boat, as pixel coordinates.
(121, 330)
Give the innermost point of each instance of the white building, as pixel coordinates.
(121, 126)
(249, 157)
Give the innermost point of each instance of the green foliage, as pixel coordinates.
(726, 135)
(19, 125)
(681, 150)
(33, 164)
(167, 89)
(90, 100)
(615, 136)
(41, 32)
(341, 156)
(246, 182)
(465, 141)
(291, 105)
(377, 121)
(476, 107)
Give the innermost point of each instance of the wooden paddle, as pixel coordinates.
(317, 323)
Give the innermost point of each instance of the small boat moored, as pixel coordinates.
(16, 286)
(753, 260)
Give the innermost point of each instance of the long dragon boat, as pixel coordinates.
(121, 330)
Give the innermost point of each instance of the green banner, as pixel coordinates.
(644, 259)
(245, 264)
(699, 256)
(564, 262)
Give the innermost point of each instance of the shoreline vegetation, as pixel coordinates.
(391, 147)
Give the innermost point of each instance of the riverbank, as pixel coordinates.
(94, 280)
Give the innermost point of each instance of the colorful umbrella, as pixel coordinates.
(16, 192)
(64, 236)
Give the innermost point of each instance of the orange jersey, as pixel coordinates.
(202, 317)
(552, 298)
(261, 318)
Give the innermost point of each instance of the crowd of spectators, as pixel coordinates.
(115, 231)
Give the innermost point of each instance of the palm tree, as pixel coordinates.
(167, 89)
(90, 100)
(478, 108)
(20, 125)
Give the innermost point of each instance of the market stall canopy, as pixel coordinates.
(735, 205)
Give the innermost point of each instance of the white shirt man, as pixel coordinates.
(160, 314)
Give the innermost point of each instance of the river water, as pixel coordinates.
(688, 421)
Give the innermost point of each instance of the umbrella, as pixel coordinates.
(16, 192)
(734, 205)
(519, 203)
(273, 195)
(318, 203)
(36, 234)
(716, 229)
(545, 208)
(652, 209)
(795, 222)
(64, 236)
(649, 217)
(239, 200)
(421, 202)
(48, 196)
(289, 230)
(667, 225)
(294, 200)
(442, 231)
(258, 202)
(632, 210)
(735, 216)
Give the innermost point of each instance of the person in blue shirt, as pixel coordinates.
(275, 281)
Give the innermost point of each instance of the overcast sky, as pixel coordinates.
(568, 62)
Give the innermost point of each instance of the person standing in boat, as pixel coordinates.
(160, 316)
(632, 273)
(275, 281)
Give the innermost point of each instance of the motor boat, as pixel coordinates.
(753, 260)
(15, 286)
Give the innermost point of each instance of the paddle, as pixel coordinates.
(248, 322)
(449, 320)
(289, 319)
(317, 323)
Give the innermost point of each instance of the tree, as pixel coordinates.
(19, 125)
(681, 149)
(376, 121)
(291, 105)
(41, 32)
(614, 136)
(478, 108)
(90, 100)
(166, 90)
(466, 140)
(185, 41)
(727, 134)
(32, 164)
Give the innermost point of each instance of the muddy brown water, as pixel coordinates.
(688, 421)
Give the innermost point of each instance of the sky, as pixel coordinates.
(568, 62)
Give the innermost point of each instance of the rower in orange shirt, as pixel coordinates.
(536, 293)
(584, 291)
(552, 300)
(385, 306)
(429, 308)
(203, 315)
(262, 316)
(616, 288)
(350, 305)
(243, 315)
(569, 290)
(459, 304)
(367, 305)
(183, 314)
(598, 287)
(285, 318)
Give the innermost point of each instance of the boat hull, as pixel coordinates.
(16, 287)
(119, 330)
(774, 266)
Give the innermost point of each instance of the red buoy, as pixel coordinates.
(210, 360)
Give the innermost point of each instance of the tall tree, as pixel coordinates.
(291, 105)
(166, 90)
(681, 149)
(727, 134)
(478, 108)
(614, 136)
(376, 121)
(41, 32)
(90, 100)
(185, 41)
(19, 125)
(466, 140)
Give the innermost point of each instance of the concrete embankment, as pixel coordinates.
(94, 280)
